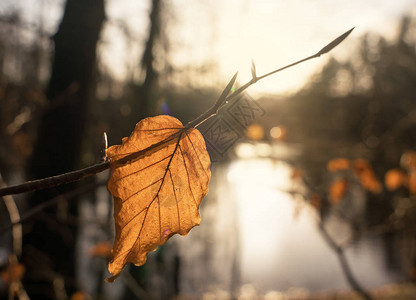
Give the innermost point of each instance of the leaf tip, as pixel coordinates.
(111, 279)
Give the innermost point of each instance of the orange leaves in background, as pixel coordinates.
(80, 295)
(14, 272)
(102, 249)
(408, 161)
(394, 179)
(366, 176)
(255, 132)
(412, 183)
(157, 191)
(362, 170)
(338, 164)
(315, 201)
(337, 190)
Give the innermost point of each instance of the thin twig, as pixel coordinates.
(54, 201)
(53, 181)
(15, 220)
(223, 99)
(213, 110)
(339, 251)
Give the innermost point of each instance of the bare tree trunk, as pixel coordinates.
(49, 244)
(147, 90)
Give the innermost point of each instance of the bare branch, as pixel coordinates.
(53, 181)
(54, 201)
(14, 219)
(224, 98)
(339, 251)
(213, 110)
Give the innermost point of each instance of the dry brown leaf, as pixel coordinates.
(337, 190)
(158, 191)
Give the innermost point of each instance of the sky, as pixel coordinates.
(275, 33)
(229, 34)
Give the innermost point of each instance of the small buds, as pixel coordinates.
(334, 43)
(103, 148)
(253, 70)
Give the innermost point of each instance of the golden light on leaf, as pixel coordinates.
(366, 176)
(255, 132)
(338, 164)
(157, 193)
(394, 179)
(337, 190)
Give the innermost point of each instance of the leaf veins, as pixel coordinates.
(159, 176)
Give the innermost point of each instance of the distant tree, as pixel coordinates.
(50, 243)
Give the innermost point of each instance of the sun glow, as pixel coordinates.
(210, 41)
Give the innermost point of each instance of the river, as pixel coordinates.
(258, 236)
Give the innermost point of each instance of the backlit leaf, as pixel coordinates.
(159, 176)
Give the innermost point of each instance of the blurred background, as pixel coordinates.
(314, 198)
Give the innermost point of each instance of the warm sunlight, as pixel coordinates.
(230, 34)
(276, 229)
(264, 210)
(222, 149)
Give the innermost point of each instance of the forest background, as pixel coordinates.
(71, 70)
